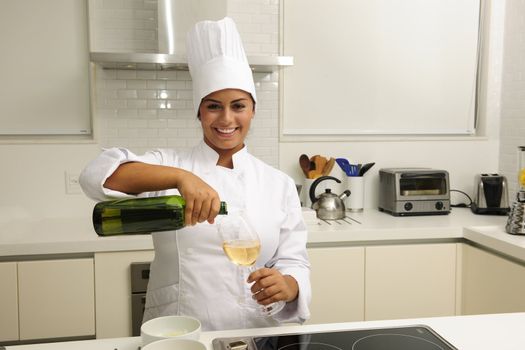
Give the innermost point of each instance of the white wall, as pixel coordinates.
(32, 178)
(513, 92)
(462, 157)
(33, 185)
(128, 109)
(142, 110)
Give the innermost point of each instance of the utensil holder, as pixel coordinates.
(356, 185)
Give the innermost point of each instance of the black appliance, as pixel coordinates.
(139, 285)
(414, 337)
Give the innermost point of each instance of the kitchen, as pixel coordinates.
(122, 114)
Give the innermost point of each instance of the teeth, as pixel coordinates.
(226, 131)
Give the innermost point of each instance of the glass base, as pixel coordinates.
(263, 310)
(246, 300)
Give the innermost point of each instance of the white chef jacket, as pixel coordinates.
(190, 274)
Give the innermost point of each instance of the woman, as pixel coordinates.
(190, 274)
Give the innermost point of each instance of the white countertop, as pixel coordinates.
(76, 236)
(478, 332)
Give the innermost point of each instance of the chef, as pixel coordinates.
(190, 274)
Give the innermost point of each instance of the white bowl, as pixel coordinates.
(178, 327)
(175, 344)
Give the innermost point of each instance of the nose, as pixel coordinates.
(227, 114)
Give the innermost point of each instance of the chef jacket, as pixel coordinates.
(190, 274)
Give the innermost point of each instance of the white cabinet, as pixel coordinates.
(337, 278)
(408, 281)
(113, 291)
(491, 283)
(8, 302)
(56, 298)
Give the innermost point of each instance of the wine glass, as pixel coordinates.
(242, 246)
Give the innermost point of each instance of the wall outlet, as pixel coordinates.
(72, 183)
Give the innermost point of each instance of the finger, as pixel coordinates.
(197, 207)
(188, 212)
(205, 210)
(260, 273)
(269, 295)
(214, 209)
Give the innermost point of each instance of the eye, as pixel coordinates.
(213, 106)
(238, 106)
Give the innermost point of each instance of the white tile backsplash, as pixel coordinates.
(141, 110)
(512, 127)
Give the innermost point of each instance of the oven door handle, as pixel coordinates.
(419, 174)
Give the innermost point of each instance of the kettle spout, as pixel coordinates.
(345, 194)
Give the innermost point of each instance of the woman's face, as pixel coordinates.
(225, 117)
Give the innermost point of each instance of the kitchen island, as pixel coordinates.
(480, 332)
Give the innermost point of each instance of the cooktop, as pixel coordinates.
(415, 337)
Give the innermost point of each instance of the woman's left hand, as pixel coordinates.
(270, 286)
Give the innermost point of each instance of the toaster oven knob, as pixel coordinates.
(408, 206)
(439, 205)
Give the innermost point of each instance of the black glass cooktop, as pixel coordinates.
(417, 337)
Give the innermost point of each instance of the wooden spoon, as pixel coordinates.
(329, 166)
(304, 162)
(314, 174)
(320, 162)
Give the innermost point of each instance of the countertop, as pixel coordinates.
(478, 332)
(58, 236)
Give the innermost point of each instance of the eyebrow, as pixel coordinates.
(220, 102)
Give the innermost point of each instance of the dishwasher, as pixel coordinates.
(139, 285)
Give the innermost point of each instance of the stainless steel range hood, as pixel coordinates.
(175, 18)
(160, 61)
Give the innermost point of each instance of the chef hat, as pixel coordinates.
(216, 59)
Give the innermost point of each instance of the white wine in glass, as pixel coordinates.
(242, 246)
(242, 252)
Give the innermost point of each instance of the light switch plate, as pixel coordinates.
(72, 183)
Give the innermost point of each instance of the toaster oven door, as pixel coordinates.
(421, 185)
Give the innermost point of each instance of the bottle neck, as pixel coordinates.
(224, 209)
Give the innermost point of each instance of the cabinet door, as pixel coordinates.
(57, 298)
(491, 284)
(8, 302)
(113, 291)
(337, 278)
(407, 281)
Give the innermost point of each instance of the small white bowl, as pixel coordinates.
(178, 327)
(175, 344)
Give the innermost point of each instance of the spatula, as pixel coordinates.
(304, 162)
(329, 166)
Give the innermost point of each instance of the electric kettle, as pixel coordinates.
(328, 205)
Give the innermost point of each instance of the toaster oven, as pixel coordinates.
(414, 191)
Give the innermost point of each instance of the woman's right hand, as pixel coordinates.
(202, 201)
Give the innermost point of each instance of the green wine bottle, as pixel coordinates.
(141, 215)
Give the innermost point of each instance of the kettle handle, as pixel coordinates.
(316, 182)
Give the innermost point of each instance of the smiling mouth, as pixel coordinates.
(226, 131)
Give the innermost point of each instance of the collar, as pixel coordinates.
(210, 157)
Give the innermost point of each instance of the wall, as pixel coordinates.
(130, 109)
(513, 92)
(154, 109)
(462, 157)
(33, 181)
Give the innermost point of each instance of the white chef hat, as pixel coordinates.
(216, 59)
